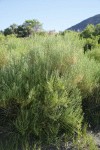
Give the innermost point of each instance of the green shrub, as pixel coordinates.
(42, 88)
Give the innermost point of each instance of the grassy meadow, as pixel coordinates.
(49, 91)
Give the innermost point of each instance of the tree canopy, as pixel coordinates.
(24, 30)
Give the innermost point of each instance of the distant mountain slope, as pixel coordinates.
(82, 25)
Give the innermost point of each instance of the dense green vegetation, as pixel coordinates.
(49, 91)
(25, 30)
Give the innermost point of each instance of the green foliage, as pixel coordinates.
(88, 31)
(34, 25)
(10, 30)
(95, 54)
(85, 141)
(97, 29)
(92, 35)
(24, 30)
(7, 31)
(44, 81)
(28, 28)
(91, 31)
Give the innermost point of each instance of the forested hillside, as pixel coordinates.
(82, 25)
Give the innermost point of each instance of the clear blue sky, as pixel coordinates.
(54, 14)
